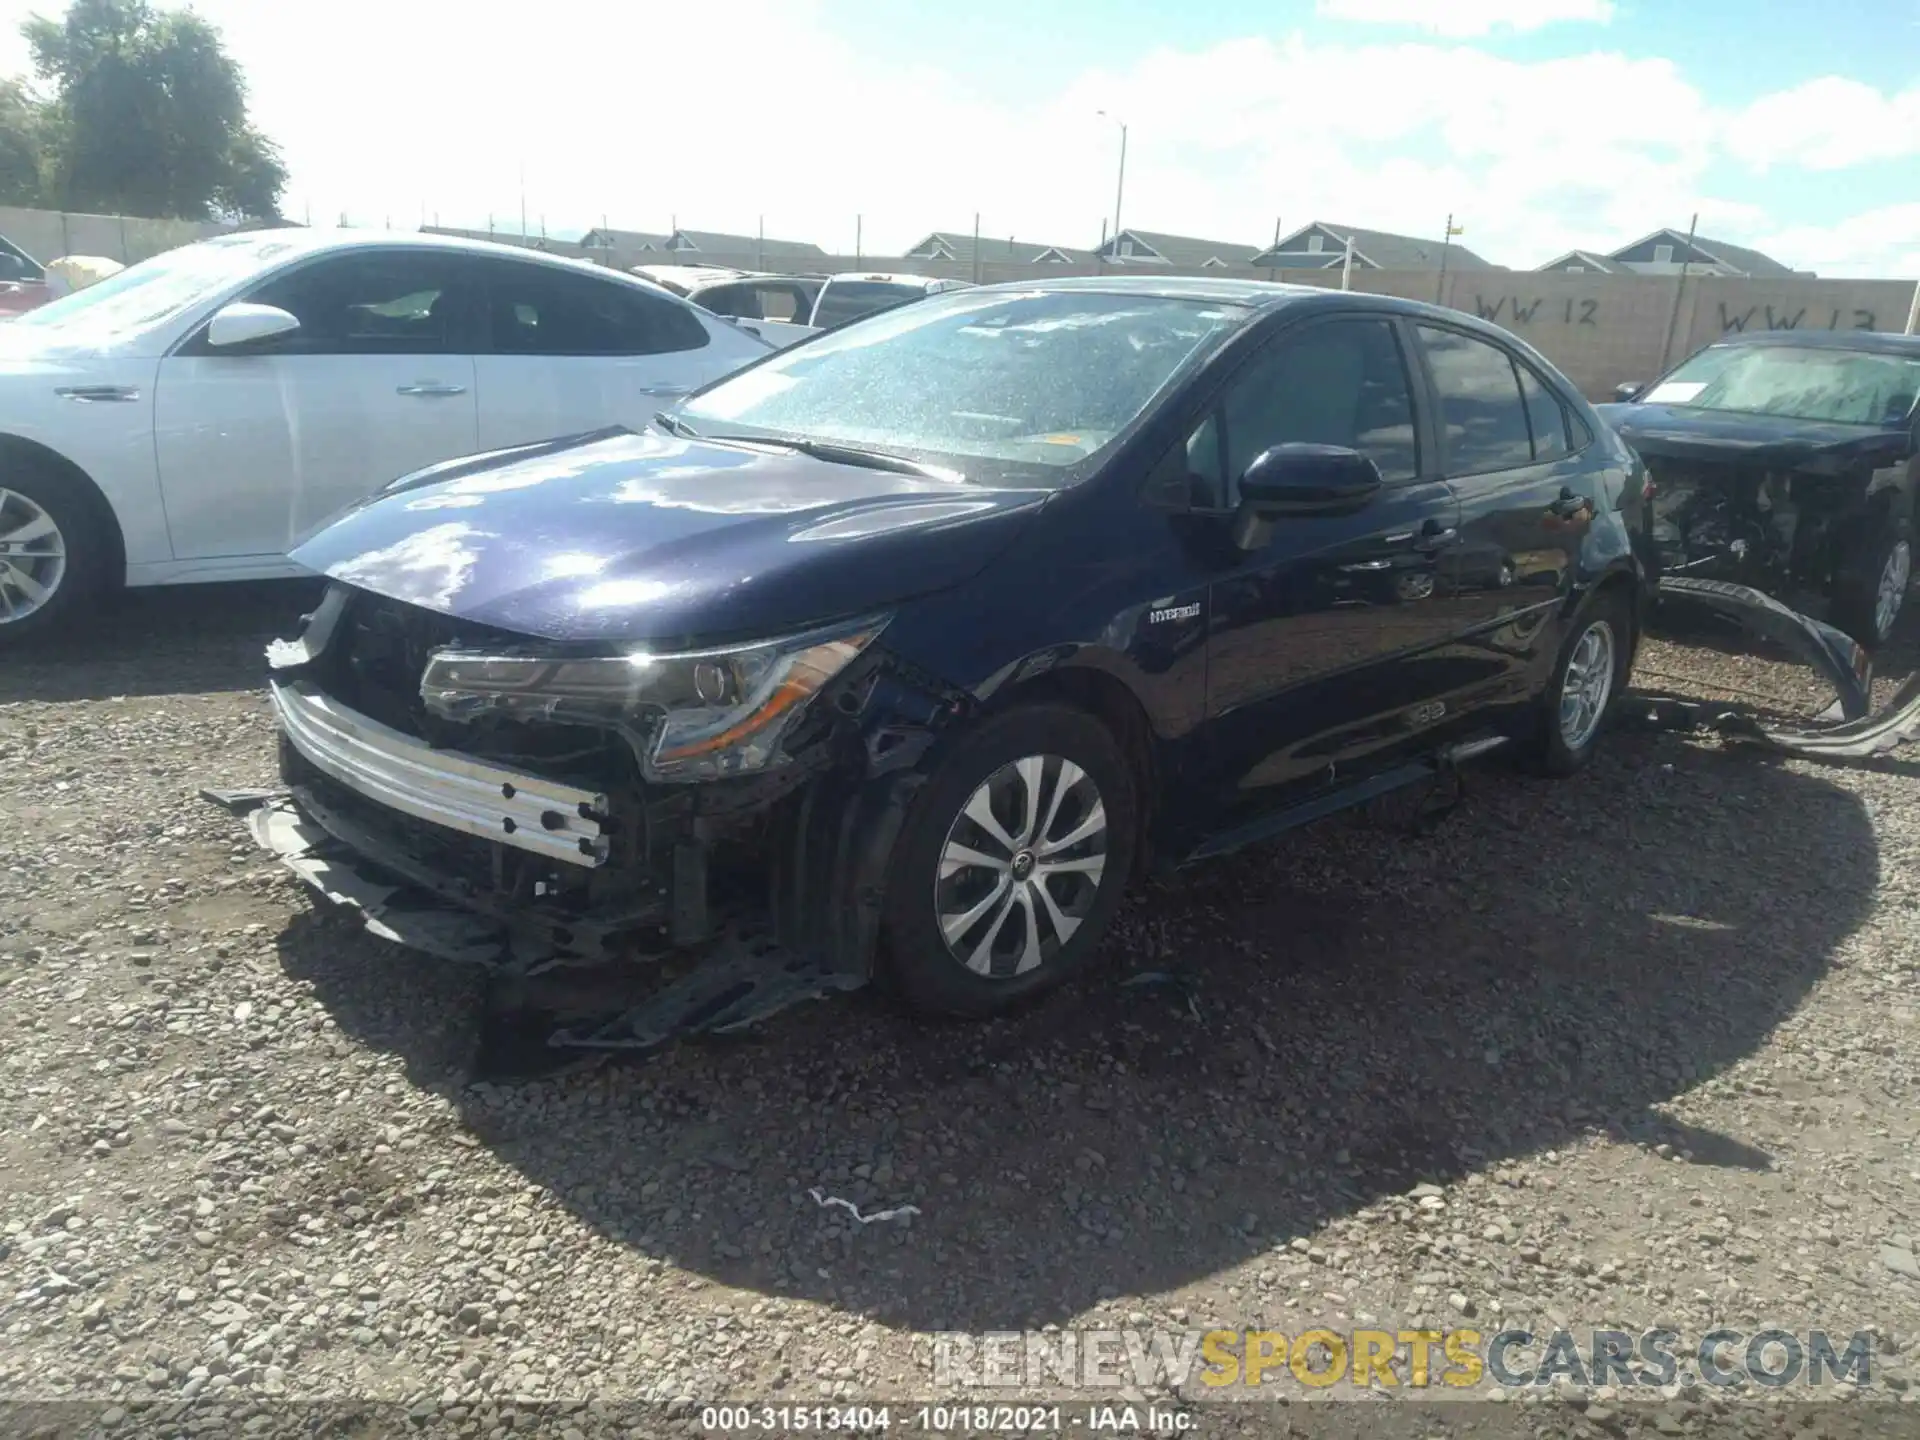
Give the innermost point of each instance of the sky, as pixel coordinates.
(1539, 125)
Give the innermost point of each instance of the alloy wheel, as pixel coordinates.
(1892, 593)
(1021, 866)
(33, 557)
(1588, 685)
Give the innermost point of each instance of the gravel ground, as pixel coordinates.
(1635, 1048)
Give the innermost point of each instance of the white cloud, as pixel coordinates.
(1531, 157)
(1880, 242)
(1826, 124)
(1462, 19)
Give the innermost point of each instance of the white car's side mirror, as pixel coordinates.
(240, 322)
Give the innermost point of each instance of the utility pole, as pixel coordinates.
(1346, 265)
(1446, 243)
(976, 247)
(856, 241)
(1679, 289)
(1120, 186)
(1913, 312)
(760, 246)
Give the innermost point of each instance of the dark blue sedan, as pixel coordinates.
(922, 637)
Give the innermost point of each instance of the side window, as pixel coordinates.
(1483, 420)
(742, 302)
(543, 310)
(372, 303)
(1546, 415)
(14, 265)
(1342, 383)
(781, 302)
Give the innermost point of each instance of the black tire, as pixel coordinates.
(1550, 747)
(929, 975)
(85, 554)
(1857, 581)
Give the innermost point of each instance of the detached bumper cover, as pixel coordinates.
(557, 822)
(1850, 730)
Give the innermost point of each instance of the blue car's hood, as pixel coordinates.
(1683, 432)
(622, 537)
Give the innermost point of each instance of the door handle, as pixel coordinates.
(428, 389)
(1435, 536)
(666, 389)
(95, 394)
(1569, 505)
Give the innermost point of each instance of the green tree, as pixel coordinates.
(148, 116)
(22, 138)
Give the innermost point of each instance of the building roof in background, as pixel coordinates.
(958, 246)
(1175, 250)
(1379, 249)
(1587, 258)
(1740, 258)
(716, 242)
(607, 237)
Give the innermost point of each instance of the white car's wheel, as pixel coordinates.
(47, 554)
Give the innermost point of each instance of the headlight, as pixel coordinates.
(696, 715)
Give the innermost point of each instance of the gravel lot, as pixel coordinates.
(1644, 1041)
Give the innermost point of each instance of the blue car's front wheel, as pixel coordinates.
(1011, 861)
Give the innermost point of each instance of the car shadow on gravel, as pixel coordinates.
(1327, 1020)
(176, 640)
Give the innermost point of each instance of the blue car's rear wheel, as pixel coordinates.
(1589, 676)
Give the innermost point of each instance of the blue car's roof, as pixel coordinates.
(1876, 342)
(1253, 294)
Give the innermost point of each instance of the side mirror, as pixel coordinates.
(1627, 390)
(240, 322)
(1298, 479)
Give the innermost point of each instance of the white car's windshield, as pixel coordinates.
(1038, 378)
(1800, 382)
(154, 289)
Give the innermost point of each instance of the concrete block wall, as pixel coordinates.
(49, 234)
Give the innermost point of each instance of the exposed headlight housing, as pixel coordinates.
(692, 715)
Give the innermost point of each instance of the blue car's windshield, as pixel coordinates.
(1799, 382)
(1039, 379)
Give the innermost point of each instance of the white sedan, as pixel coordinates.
(190, 418)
